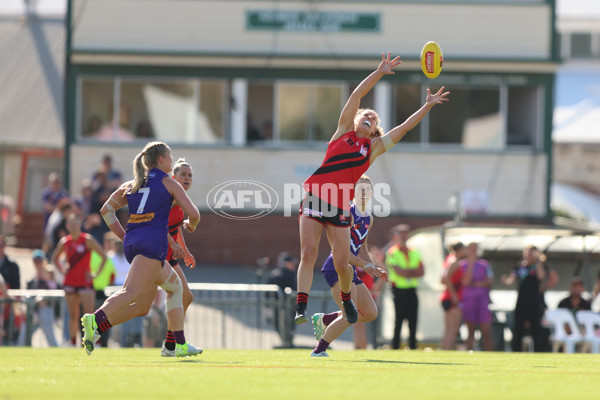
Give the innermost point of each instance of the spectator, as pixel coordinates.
(284, 275)
(477, 280)
(530, 275)
(404, 268)
(77, 247)
(451, 298)
(252, 132)
(113, 177)
(43, 316)
(56, 228)
(12, 280)
(117, 256)
(575, 302)
(93, 126)
(144, 130)
(8, 269)
(84, 200)
(51, 195)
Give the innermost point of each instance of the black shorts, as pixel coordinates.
(76, 289)
(314, 208)
(173, 261)
(447, 305)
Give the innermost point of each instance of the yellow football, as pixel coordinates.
(432, 60)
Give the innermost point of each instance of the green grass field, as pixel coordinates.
(27, 373)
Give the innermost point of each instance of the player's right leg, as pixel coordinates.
(133, 300)
(172, 285)
(168, 348)
(310, 235)
(339, 239)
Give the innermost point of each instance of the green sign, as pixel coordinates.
(312, 21)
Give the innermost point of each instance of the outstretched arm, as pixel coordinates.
(387, 141)
(346, 121)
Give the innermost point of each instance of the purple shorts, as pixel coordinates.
(150, 249)
(475, 306)
(331, 276)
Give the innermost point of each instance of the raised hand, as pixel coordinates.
(387, 63)
(437, 98)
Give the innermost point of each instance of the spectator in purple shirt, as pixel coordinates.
(51, 195)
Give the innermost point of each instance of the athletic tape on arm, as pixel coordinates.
(175, 287)
(387, 141)
(110, 217)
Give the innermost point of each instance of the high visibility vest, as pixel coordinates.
(106, 276)
(396, 257)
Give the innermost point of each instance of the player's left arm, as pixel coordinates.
(188, 257)
(116, 201)
(382, 144)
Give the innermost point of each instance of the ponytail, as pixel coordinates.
(145, 161)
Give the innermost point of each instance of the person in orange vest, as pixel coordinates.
(404, 269)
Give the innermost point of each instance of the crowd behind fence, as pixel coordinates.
(234, 316)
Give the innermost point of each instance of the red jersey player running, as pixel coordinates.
(182, 173)
(356, 143)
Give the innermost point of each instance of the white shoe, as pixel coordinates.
(318, 325)
(321, 354)
(193, 350)
(164, 352)
(186, 350)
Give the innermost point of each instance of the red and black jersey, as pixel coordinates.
(176, 217)
(346, 159)
(78, 257)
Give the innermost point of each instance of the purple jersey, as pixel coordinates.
(149, 210)
(358, 234)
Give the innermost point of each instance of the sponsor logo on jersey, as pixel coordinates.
(138, 218)
(363, 150)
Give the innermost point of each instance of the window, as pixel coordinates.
(260, 112)
(407, 100)
(523, 119)
(308, 112)
(472, 119)
(177, 110)
(96, 107)
(581, 45)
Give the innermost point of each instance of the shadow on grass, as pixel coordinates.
(200, 361)
(407, 362)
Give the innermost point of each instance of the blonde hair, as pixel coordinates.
(379, 132)
(145, 161)
(180, 163)
(364, 177)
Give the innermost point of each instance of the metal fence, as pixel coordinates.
(233, 316)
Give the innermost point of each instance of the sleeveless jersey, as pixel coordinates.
(455, 279)
(149, 210)
(346, 159)
(78, 257)
(176, 217)
(358, 234)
